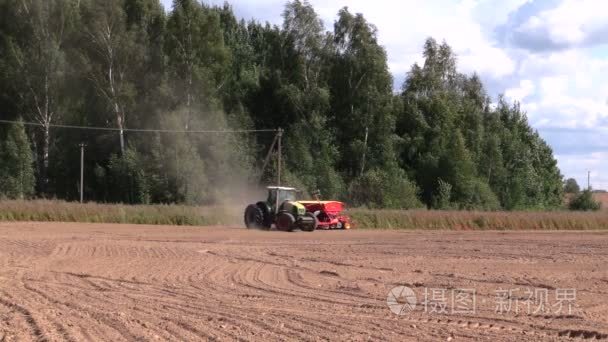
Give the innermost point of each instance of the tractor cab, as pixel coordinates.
(277, 195)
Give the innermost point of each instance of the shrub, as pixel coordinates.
(584, 202)
(128, 175)
(444, 196)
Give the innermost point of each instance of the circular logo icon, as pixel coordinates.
(401, 300)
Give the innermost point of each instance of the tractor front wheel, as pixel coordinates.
(285, 222)
(309, 222)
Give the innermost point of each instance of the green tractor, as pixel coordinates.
(282, 210)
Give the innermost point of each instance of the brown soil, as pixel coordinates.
(117, 282)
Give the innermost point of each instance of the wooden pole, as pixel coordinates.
(82, 172)
(269, 154)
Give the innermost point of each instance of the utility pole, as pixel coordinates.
(279, 152)
(82, 146)
(269, 154)
(589, 180)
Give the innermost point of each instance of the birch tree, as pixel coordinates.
(114, 57)
(196, 54)
(39, 59)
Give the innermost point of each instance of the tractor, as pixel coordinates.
(283, 210)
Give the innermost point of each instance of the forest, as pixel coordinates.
(440, 141)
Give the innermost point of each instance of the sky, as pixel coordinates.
(549, 55)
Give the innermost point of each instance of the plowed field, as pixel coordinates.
(119, 282)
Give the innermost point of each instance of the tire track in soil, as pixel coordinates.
(108, 283)
(60, 328)
(276, 286)
(462, 324)
(123, 291)
(158, 295)
(109, 322)
(246, 277)
(285, 274)
(26, 315)
(178, 298)
(231, 278)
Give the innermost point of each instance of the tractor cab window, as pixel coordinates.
(284, 195)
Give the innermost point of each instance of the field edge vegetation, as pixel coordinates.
(180, 215)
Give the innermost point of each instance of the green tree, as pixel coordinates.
(126, 63)
(197, 57)
(531, 178)
(112, 56)
(243, 72)
(303, 30)
(16, 169)
(361, 97)
(571, 186)
(491, 157)
(443, 199)
(129, 179)
(145, 23)
(311, 150)
(384, 189)
(456, 167)
(36, 57)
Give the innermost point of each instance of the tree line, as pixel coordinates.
(440, 141)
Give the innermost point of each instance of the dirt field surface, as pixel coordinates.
(116, 282)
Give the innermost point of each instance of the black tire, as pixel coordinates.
(254, 217)
(267, 220)
(310, 228)
(285, 222)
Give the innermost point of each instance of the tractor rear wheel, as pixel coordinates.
(267, 221)
(254, 217)
(285, 222)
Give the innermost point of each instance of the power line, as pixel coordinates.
(141, 130)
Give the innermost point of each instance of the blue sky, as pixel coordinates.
(550, 55)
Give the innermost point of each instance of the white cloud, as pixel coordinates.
(571, 22)
(533, 23)
(492, 13)
(404, 25)
(519, 93)
(554, 86)
(572, 89)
